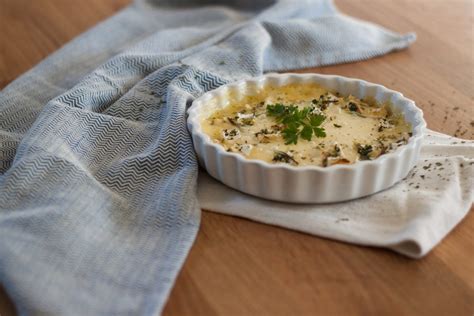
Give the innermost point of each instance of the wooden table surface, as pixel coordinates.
(238, 267)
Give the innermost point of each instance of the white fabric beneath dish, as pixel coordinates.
(410, 218)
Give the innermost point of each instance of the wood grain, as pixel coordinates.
(238, 267)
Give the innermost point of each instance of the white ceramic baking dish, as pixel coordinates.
(306, 184)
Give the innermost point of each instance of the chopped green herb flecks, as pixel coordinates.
(281, 156)
(364, 151)
(353, 107)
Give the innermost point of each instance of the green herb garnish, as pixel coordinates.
(364, 151)
(230, 134)
(353, 107)
(281, 156)
(297, 123)
(263, 131)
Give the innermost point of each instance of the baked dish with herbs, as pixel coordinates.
(306, 124)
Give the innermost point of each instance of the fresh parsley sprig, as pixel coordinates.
(297, 123)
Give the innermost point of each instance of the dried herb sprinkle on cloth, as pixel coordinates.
(98, 202)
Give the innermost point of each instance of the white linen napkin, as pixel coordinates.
(410, 218)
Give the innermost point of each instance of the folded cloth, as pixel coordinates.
(98, 204)
(411, 218)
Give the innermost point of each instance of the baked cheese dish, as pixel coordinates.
(306, 124)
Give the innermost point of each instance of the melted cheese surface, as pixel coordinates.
(355, 129)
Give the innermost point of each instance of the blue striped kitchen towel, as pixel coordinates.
(98, 205)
